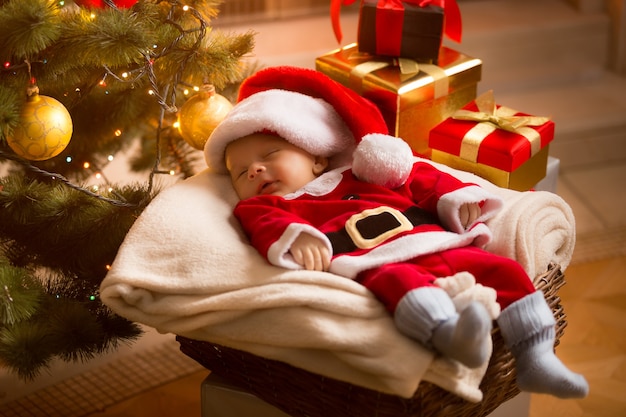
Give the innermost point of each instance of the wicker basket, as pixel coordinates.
(304, 394)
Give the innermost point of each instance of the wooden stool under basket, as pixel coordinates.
(300, 393)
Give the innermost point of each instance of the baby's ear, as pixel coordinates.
(321, 163)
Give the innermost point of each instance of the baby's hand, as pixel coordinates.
(310, 252)
(468, 213)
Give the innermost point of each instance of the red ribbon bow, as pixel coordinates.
(452, 22)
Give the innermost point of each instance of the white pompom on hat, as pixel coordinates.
(317, 114)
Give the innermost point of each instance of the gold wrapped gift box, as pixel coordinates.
(412, 102)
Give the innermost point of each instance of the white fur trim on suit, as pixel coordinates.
(278, 253)
(307, 122)
(449, 204)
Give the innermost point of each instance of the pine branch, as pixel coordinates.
(118, 38)
(10, 103)
(63, 328)
(20, 294)
(27, 27)
(41, 223)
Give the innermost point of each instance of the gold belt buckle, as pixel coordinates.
(366, 243)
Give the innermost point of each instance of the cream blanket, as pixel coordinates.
(185, 267)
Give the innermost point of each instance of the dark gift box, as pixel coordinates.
(404, 30)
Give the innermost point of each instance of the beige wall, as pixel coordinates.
(617, 11)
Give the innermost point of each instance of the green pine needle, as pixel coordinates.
(25, 349)
(27, 27)
(20, 294)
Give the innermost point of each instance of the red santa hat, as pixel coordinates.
(317, 114)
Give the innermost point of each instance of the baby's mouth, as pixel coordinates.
(266, 187)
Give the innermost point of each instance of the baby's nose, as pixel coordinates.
(254, 170)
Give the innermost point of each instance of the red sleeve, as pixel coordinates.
(263, 221)
(427, 184)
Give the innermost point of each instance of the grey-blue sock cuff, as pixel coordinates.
(525, 318)
(422, 310)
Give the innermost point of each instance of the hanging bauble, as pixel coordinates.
(44, 129)
(201, 114)
(100, 4)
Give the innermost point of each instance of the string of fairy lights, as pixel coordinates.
(165, 96)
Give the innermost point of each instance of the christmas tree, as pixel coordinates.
(81, 82)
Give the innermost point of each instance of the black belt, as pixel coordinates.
(371, 228)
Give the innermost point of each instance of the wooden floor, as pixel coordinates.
(594, 344)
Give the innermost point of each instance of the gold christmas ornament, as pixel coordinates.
(44, 130)
(199, 116)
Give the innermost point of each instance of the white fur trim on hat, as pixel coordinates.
(309, 123)
(382, 159)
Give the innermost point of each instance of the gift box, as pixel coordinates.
(413, 97)
(500, 144)
(400, 29)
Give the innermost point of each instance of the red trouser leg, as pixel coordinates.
(391, 282)
(503, 274)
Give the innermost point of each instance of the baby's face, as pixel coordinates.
(262, 164)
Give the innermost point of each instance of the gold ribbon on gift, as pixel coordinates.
(490, 118)
(441, 83)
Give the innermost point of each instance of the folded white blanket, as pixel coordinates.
(186, 268)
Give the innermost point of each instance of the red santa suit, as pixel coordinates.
(390, 240)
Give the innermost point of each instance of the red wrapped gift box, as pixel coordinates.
(505, 146)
